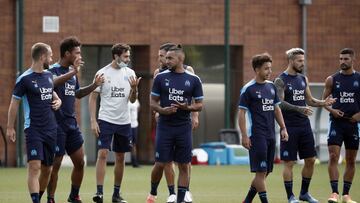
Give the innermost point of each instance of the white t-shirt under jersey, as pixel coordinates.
(134, 108)
(114, 95)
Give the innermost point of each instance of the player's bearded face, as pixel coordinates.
(162, 59)
(298, 63)
(47, 60)
(172, 60)
(74, 54)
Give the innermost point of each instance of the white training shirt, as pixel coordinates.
(114, 95)
(134, 109)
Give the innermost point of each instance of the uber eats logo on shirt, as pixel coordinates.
(298, 95)
(267, 104)
(117, 91)
(176, 95)
(46, 93)
(69, 89)
(347, 97)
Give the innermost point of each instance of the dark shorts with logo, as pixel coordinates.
(342, 131)
(301, 140)
(40, 145)
(262, 153)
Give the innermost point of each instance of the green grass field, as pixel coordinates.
(216, 184)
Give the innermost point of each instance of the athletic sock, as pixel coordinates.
(171, 189)
(346, 187)
(289, 188)
(154, 187)
(35, 197)
(181, 194)
(74, 191)
(116, 192)
(250, 195)
(99, 189)
(305, 185)
(263, 197)
(334, 186)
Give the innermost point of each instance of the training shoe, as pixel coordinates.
(98, 198)
(293, 199)
(347, 199)
(334, 198)
(308, 198)
(171, 199)
(188, 197)
(74, 199)
(118, 199)
(151, 199)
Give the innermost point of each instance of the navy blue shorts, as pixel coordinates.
(40, 145)
(119, 135)
(134, 135)
(262, 154)
(301, 140)
(344, 131)
(173, 143)
(69, 140)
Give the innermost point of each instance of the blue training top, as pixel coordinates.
(66, 114)
(260, 99)
(294, 93)
(182, 87)
(346, 90)
(36, 91)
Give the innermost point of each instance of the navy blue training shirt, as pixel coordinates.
(346, 90)
(182, 87)
(36, 91)
(66, 114)
(294, 93)
(260, 99)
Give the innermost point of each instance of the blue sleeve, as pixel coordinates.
(156, 88)
(244, 101)
(198, 90)
(19, 89)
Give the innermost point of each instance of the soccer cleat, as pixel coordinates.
(75, 199)
(292, 199)
(308, 198)
(151, 199)
(171, 199)
(334, 198)
(98, 198)
(118, 199)
(188, 197)
(347, 199)
(51, 200)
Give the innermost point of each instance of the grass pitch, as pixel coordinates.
(209, 184)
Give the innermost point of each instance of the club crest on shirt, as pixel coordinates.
(167, 81)
(337, 84)
(272, 91)
(258, 94)
(356, 84)
(187, 83)
(50, 80)
(35, 83)
(302, 83)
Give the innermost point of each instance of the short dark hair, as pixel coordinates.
(39, 49)
(167, 46)
(68, 44)
(119, 49)
(349, 51)
(258, 60)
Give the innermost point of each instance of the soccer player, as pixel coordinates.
(344, 122)
(294, 93)
(258, 98)
(171, 96)
(113, 123)
(134, 110)
(35, 88)
(69, 137)
(169, 169)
